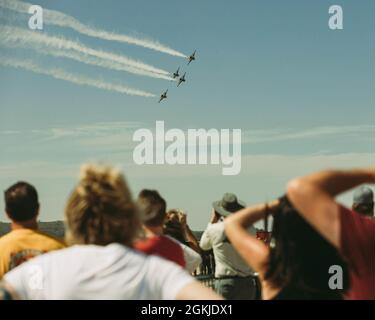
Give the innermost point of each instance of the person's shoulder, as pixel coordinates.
(172, 239)
(166, 240)
(147, 260)
(132, 254)
(156, 263)
(215, 227)
(161, 244)
(44, 259)
(6, 238)
(214, 231)
(40, 264)
(347, 214)
(357, 236)
(356, 225)
(148, 243)
(12, 237)
(76, 253)
(51, 240)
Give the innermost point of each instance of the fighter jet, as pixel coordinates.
(163, 96)
(192, 57)
(181, 80)
(176, 74)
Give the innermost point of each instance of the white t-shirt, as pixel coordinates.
(228, 262)
(98, 272)
(192, 258)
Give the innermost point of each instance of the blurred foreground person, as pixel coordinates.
(296, 265)
(351, 233)
(235, 280)
(24, 241)
(363, 201)
(153, 212)
(101, 223)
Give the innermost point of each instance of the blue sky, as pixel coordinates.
(301, 93)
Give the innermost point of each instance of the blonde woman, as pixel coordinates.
(101, 222)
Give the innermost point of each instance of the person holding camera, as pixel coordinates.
(235, 280)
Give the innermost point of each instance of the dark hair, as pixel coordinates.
(300, 257)
(21, 202)
(153, 207)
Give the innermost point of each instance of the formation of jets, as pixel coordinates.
(176, 75)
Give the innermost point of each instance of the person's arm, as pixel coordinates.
(189, 236)
(314, 198)
(206, 242)
(252, 250)
(192, 258)
(197, 291)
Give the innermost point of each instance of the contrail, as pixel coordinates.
(61, 47)
(26, 37)
(61, 74)
(63, 20)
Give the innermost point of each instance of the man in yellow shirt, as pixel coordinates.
(24, 241)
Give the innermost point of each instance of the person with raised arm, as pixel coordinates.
(351, 233)
(296, 263)
(234, 279)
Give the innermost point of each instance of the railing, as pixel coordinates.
(207, 279)
(205, 273)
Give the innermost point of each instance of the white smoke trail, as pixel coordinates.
(60, 47)
(101, 63)
(63, 20)
(61, 74)
(26, 37)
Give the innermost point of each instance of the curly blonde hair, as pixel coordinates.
(100, 209)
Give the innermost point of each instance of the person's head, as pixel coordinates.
(152, 207)
(173, 226)
(363, 201)
(300, 257)
(100, 209)
(227, 205)
(21, 202)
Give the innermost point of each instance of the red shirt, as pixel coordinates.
(162, 247)
(358, 247)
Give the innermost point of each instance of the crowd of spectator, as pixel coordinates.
(117, 247)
